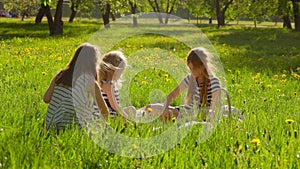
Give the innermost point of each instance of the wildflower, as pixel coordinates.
(278, 90)
(44, 73)
(144, 82)
(174, 119)
(275, 76)
(283, 81)
(269, 86)
(298, 68)
(240, 148)
(240, 91)
(149, 109)
(289, 121)
(271, 99)
(255, 141)
(134, 146)
(283, 76)
(59, 58)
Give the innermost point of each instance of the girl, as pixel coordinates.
(111, 69)
(203, 87)
(61, 111)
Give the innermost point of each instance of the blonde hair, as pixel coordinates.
(111, 62)
(200, 57)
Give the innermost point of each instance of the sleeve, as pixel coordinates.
(215, 84)
(185, 83)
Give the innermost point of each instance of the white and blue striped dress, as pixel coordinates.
(60, 111)
(212, 87)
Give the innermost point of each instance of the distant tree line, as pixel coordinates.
(286, 10)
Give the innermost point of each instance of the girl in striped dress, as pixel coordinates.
(111, 68)
(61, 110)
(203, 87)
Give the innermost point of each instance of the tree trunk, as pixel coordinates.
(57, 28)
(221, 12)
(287, 22)
(155, 8)
(74, 12)
(41, 13)
(133, 7)
(105, 16)
(296, 14)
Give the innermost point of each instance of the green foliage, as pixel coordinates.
(262, 71)
(22, 7)
(201, 8)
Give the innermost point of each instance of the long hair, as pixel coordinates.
(86, 55)
(111, 62)
(200, 57)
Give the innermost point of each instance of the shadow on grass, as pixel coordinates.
(24, 29)
(257, 49)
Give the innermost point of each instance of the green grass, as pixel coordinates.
(262, 67)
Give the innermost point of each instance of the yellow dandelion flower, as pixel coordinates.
(257, 75)
(283, 76)
(271, 99)
(149, 109)
(261, 83)
(255, 141)
(278, 90)
(240, 148)
(174, 119)
(289, 121)
(275, 76)
(166, 75)
(44, 73)
(59, 58)
(144, 82)
(134, 146)
(240, 91)
(269, 86)
(283, 81)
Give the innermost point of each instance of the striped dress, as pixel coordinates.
(112, 112)
(60, 111)
(212, 87)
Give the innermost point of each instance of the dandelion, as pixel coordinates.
(283, 81)
(144, 82)
(59, 58)
(240, 148)
(269, 86)
(134, 146)
(174, 119)
(255, 141)
(149, 109)
(44, 73)
(166, 75)
(278, 90)
(271, 99)
(283, 76)
(240, 91)
(275, 76)
(289, 121)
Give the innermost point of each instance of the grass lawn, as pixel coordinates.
(262, 67)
